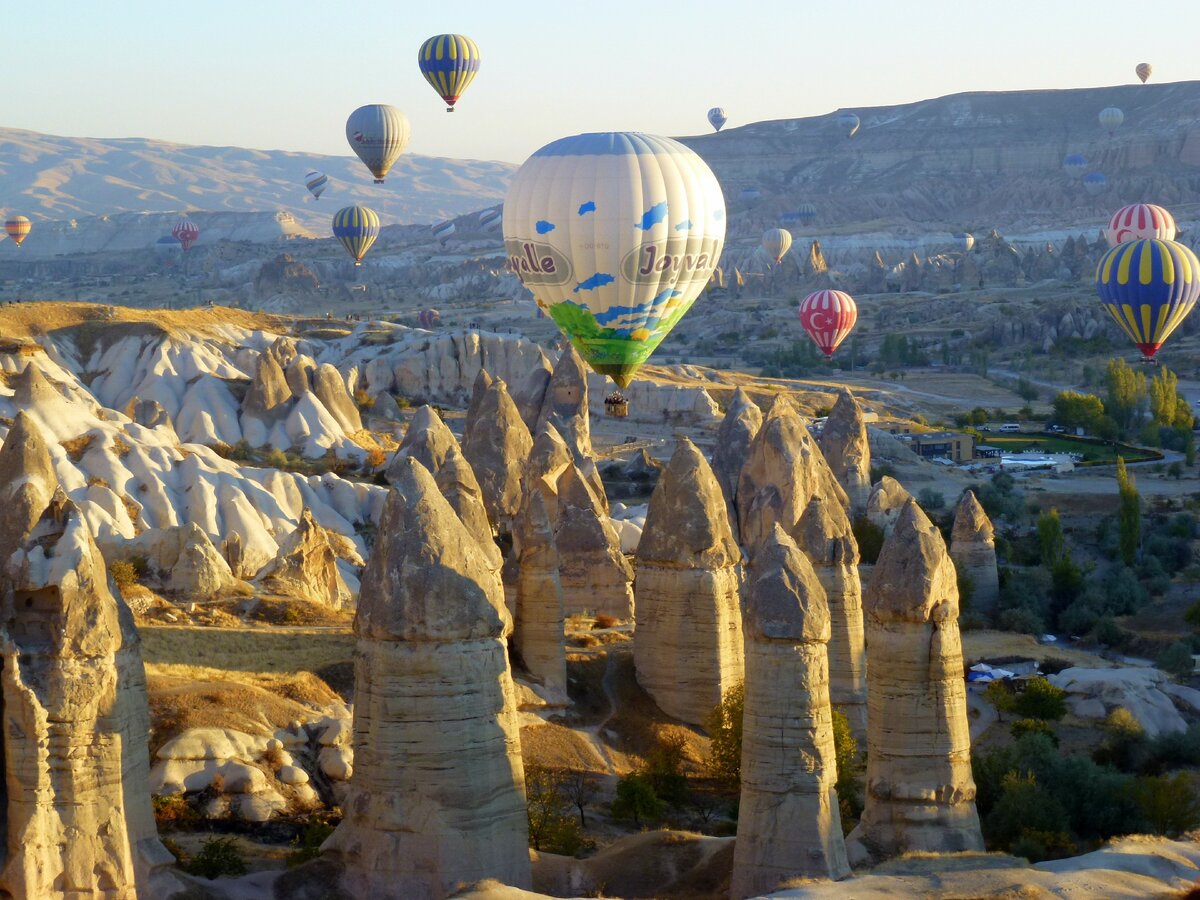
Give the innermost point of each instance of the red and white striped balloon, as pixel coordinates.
(828, 316)
(186, 232)
(1139, 222)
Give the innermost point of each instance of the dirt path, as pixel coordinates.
(987, 715)
(591, 734)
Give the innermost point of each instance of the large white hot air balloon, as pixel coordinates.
(378, 134)
(616, 234)
(776, 242)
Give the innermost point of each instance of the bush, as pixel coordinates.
(1169, 804)
(218, 856)
(1125, 745)
(1023, 807)
(276, 459)
(1110, 634)
(375, 458)
(663, 768)
(724, 727)
(1021, 620)
(930, 500)
(869, 537)
(603, 621)
(1022, 727)
(172, 810)
(1001, 696)
(123, 573)
(849, 771)
(636, 800)
(552, 826)
(1041, 700)
(307, 844)
(1177, 660)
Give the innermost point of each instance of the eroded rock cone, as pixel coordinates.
(847, 449)
(269, 390)
(196, 568)
(530, 392)
(497, 446)
(299, 373)
(824, 535)
(483, 381)
(920, 794)
(77, 811)
(149, 414)
(688, 651)
(565, 404)
(789, 825)
(330, 389)
(27, 480)
(973, 549)
(538, 634)
(306, 567)
(595, 575)
(742, 420)
(886, 502)
(437, 797)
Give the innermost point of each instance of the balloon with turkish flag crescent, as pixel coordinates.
(828, 316)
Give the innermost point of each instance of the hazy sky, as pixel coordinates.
(284, 75)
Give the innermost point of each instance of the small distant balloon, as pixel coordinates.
(429, 319)
(1111, 118)
(750, 195)
(1149, 287)
(965, 241)
(186, 232)
(1144, 71)
(849, 123)
(717, 118)
(1095, 183)
(443, 231)
(316, 182)
(1140, 221)
(356, 227)
(449, 63)
(378, 134)
(828, 317)
(18, 228)
(1075, 164)
(490, 219)
(776, 242)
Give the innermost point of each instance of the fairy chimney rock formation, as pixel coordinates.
(483, 381)
(27, 480)
(973, 549)
(920, 795)
(497, 445)
(824, 535)
(76, 812)
(306, 567)
(886, 502)
(437, 798)
(538, 618)
(847, 449)
(595, 575)
(530, 393)
(742, 420)
(688, 651)
(789, 825)
(565, 404)
(330, 389)
(269, 393)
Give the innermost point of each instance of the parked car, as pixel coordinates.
(1010, 427)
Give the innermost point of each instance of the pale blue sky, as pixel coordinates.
(270, 74)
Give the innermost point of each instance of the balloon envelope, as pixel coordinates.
(849, 123)
(378, 134)
(828, 316)
(316, 182)
(449, 63)
(18, 228)
(1075, 164)
(1144, 70)
(1148, 287)
(616, 234)
(186, 232)
(356, 227)
(1111, 118)
(776, 242)
(1140, 221)
(717, 117)
(429, 318)
(1095, 182)
(965, 241)
(490, 219)
(443, 231)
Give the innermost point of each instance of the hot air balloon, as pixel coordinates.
(429, 319)
(828, 316)
(1095, 183)
(18, 228)
(378, 134)
(776, 242)
(807, 212)
(186, 232)
(750, 195)
(443, 231)
(450, 63)
(1075, 164)
(490, 219)
(1111, 118)
(849, 123)
(1148, 287)
(1139, 222)
(316, 182)
(717, 118)
(356, 227)
(965, 241)
(1144, 71)
(616, 235)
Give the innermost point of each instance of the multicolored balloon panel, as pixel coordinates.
(616, 235)
(357, 228)
(1144, 71)
(717, 118)
(443, 231)
(18, 228)
(186, 232)
(1140, 221)
(828, 317)
(378, 134)
(490, 219)
(449, 63)
(1148, 287)
(316, 182)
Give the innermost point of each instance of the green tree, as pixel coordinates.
(1177, 660)
(1026, 390)
(1129, 514)
(1169, 803)
(849, 771)
(217, 857)
(664, 765)
(1023, 807)
(551, 825)
(1000, 695)
(636, 800)
(1125, 393)
(1050, 537)
(1022, 727)
(724, 727)
(1041, 700)
(1074, 410)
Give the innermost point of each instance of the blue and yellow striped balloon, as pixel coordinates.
(1148, 287)
(449, 62)
(356, 227)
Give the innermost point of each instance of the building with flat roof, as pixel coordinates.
(952, 445)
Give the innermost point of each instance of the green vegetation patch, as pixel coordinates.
(1094, 452)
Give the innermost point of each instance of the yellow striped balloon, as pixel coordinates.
(18, 228)
(356, 227)
(1148, 287)
(449, 63)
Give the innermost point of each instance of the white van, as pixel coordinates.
(1010, 427)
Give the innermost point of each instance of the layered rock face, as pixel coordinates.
(824, 535)
(973, 549)
(688, 650)
(497, 445)
(789, 825)
(595, 575)
(887, 501)
(538, 636)
(437, 797)
(920, 792)
(742, 420)
(848, 451)
(306, 567)
(784, 469)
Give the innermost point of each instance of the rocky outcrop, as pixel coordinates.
(742, 420)
(306, 568)
(920, 793)
(688, 651)
(848, 451)
(789, 825)
(497, 445)
(77, 814)
(824, 535)
(888, 499)
(267, 401)
(183, 560)
(330, 389)
(437, 797)
(530, 392)
(538, 636)
(149, 414)
(565, 404)
(595, 575)
(973, 549)
(483, 381)
(27, 479)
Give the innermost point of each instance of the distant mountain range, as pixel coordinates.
(49, 177)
